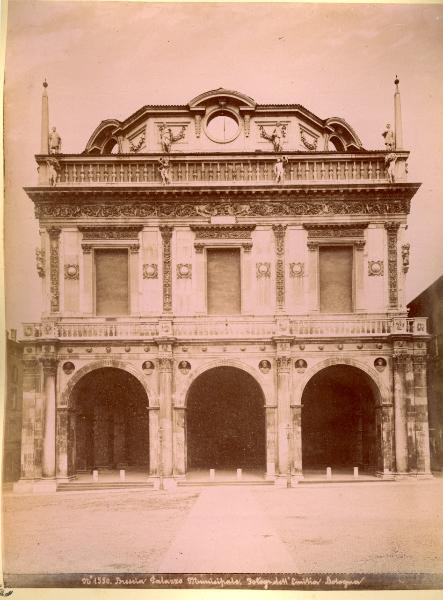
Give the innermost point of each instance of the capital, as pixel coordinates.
(283, 364)
(49, 365)
(165, 364)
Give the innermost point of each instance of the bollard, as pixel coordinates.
(239, 474)
(122, 475)
(212, 474)
(328, 473)
(95, 475)
(355, 472)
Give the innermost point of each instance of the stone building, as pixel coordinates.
(12, 422)
(430, 304)
(223, 287)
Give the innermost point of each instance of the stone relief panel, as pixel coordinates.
(375, 268)
(263, 269)
(72, 271)
(150, 271)
(184, 271)
(296, 269)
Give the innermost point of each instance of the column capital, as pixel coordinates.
(283, 364)
(165, 364)
(49, 364)
(54, 232)
(392, 226)
(402, 361)
(166, 232)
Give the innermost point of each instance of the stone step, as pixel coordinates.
(107, 485)
(217, 483)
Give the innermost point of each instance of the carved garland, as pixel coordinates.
(279, 233)
(54, 266)
(265, 208)
(166, 233)
(392, 230)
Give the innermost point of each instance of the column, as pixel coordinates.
(62, 425)
(401, 435)
(279, 233)
(283, 411)
(296, 440)
(165, 393)
(54, 268)
(386, 449)
(166, 233)
(423, 458)
(270, 441)
(179, 416)
(48, 447)
(154, 450)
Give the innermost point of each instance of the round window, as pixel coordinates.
(222, 128)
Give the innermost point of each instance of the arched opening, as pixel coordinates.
(339, 424)
(337, 144)
(111, 421)
(226, 421)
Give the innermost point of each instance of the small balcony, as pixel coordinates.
(213, 170)
(223, 328)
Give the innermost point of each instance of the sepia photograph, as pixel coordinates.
(223, 296)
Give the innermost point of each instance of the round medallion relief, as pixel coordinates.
(71, 271)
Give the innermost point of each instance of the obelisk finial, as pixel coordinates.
(44, 147)
(397, 112)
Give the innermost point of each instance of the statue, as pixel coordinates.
(279, 169)
(275, 137)
(167, 138)
(165, 170)
(390, 160)
(389, 138)
(53, 169)
(55, 142)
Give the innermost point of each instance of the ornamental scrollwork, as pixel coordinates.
(222, 231)
(40, 256)
(127, 232)
(166, 233)
(54, 265)
(392, 230)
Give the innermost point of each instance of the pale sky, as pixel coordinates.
(107, 59)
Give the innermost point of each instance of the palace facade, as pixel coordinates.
(223, 287)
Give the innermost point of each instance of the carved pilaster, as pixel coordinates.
(54, 266)
(279, 233)
(40, 257)
(166, 233)
(392, 230)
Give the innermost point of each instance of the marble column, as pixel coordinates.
(283, 411)
(423, 460)
(165, 385)
(270, 441)
(179, 416)
(400, 364)
(386, 449)
(31, 394)
(154, 451)
(62, 442)
(296, 440)
(49, 429)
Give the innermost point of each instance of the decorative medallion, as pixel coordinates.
(300, 365)
(375, 267)
(127, 348)
(68, 367)
(184, 271)
(148, 366)
(108, 349)
(264, 366)
(150, 271)
(72, 272)
(296, 269)
(380, 364)
(184, 366)
(263, 269)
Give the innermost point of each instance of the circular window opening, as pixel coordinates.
(222, 128)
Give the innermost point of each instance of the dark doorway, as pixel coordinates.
(226, 421)
(112, 423)
(339, 420)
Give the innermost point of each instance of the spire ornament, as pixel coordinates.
(44, 145)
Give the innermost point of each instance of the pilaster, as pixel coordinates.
(54, 268)
(284, 426)
(279, 233)
(392, 233)
(165, 364)
(166, 233)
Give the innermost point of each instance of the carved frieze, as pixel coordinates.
(40, 257)
(335, 230)
(150, 271)
(166, 233)
(392, 230)
(72, 271)
(129, 232)
(266, 207)
(222, 231)
(263, 269)
(54, 266)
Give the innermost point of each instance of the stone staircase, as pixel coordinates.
(82, 486)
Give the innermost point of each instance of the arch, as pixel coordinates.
(225, 363)
(343, 130)
(383, 393)
(105, 130)
(66, 397)
(222, 93)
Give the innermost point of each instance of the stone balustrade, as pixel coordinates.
(202, 328)
(213, 170)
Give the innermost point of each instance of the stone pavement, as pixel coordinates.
(227, 531)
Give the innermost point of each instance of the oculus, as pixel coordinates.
(222, 127)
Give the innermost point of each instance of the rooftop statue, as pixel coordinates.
(389, 136)
(165, 170)
(279, 169)
(55, 142)
(167, 138)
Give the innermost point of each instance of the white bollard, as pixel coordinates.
(328, 473)
(95, 475)
(212, 474)
(355, 472)
(239, 474)
(122, 475)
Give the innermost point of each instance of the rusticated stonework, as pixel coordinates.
(392, 229)
(111, 233)
(279, 233)
(166, 233)
(222, 231)
(54, 266)
(266, 207)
